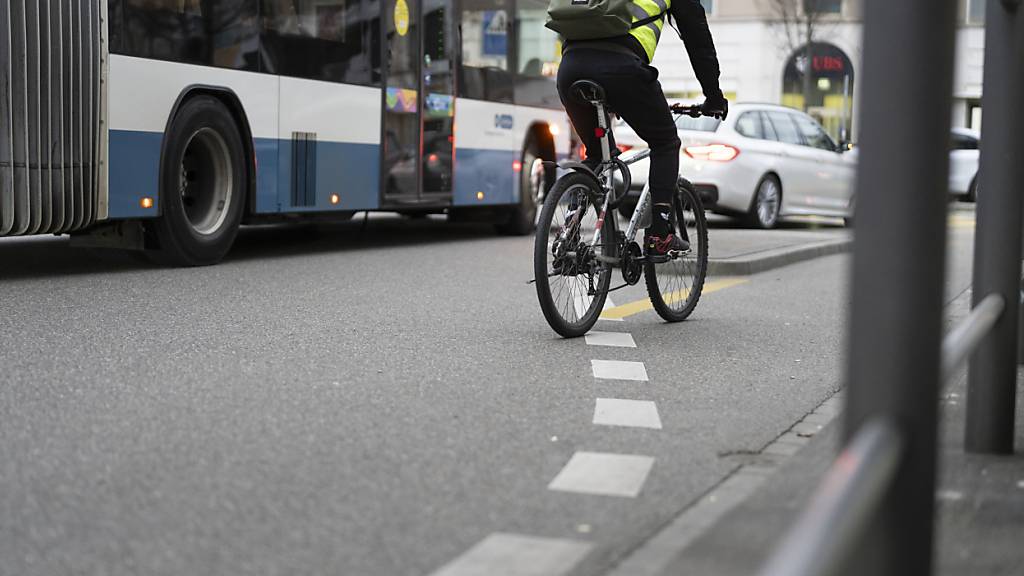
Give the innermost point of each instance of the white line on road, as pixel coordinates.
(617, 339)
(503, 554)
(619, 370)
(603, 474)
(633, 413)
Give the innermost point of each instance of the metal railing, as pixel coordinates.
(855, 485)
(874, 511)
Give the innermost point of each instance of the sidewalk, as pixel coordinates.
(735, 251)
(980, 512)
(733, 528)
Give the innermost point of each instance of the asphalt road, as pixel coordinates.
(368, 402)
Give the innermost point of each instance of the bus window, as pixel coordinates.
(484, 70)
(540, 52)
(220, 34)
(322, 39)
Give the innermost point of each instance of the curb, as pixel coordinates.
(659, 554)
(748, 264)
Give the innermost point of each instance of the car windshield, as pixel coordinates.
(702, 124)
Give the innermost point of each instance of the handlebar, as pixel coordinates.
(693, 111)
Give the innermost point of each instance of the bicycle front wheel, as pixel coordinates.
(572, 284)
(674, 285)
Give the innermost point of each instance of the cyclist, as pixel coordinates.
(621, 65)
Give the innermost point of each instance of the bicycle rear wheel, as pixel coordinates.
(572, 284)
(675, 284)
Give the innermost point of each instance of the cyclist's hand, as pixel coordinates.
(715, 107)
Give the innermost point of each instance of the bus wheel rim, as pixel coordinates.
(206, 181)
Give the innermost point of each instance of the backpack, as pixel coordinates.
(593, 19)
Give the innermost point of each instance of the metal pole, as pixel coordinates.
(899, 265)
(1020, 325)
(992, 381)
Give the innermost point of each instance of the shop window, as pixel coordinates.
(223, 34)
(334, 40)
(484, 71)
(976, 11)
(823, 6)
(539, 53)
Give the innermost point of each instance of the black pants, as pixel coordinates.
(634, 93)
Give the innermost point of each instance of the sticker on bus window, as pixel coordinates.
(401, 17)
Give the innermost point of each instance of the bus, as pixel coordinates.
(165, 125)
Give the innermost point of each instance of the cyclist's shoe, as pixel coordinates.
(665, 245)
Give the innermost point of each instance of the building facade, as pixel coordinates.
(763, 55)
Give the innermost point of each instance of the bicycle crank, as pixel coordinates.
(632, 263)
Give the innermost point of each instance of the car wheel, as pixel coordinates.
(767, 202)
(202, 185)
(972, 191)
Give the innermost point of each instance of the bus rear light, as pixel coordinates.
(517, 166)
(712, 152)
(335, 199)
(146, 203)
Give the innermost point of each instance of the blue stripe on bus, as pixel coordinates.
(350, 170)
(134, 173)
(487, 171)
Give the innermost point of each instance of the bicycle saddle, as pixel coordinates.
(587, 91)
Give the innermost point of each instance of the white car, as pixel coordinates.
(964, 154)
(762, 163)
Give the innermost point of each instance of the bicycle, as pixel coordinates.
(578, 245)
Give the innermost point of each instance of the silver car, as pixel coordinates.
(762, 163)
(964, 155)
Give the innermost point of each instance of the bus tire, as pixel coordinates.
(522, 218)
(203, 178)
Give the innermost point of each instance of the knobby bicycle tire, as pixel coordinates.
(673, 301)
(562, 293)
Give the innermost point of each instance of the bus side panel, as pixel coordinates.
(142, 97)
(488, 140)
(134, 173)
(529, 115)
(329, 139)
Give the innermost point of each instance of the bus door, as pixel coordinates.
(419, 103)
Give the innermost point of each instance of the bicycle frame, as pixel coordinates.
(643, 204)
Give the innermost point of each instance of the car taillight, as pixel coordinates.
(624, 147)
(712, 152)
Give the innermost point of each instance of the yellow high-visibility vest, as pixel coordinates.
(649, 34)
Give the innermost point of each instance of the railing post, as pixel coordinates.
(899, 265)
(1020, 324)
(992, 382)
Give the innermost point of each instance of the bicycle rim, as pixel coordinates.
(675, 286)
(572, 285)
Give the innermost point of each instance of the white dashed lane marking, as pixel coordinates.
(603, 474)
(618, 339)
(503, 554)
(619, 370)
(633, 413)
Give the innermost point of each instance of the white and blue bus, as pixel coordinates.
(166, 124)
